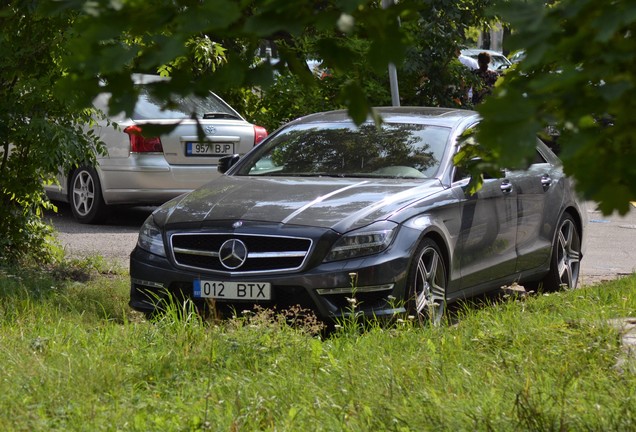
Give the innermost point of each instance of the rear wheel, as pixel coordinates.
(87, 201)
(565, 262)
(427, 283)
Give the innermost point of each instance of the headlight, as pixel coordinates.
(150, 238)
(364, 241)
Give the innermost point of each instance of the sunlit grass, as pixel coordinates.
(73, 356)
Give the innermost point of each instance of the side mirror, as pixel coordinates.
(226, 162)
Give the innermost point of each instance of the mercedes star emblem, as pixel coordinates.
(233, 254)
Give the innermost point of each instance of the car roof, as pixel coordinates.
(447, 117)
(147, 78)
(476, 51)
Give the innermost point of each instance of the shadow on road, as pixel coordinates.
(121, 219)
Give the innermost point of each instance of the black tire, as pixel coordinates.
(86, 198)
(427, 283)
(565, 262)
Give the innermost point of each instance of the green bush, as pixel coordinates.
(39, 132)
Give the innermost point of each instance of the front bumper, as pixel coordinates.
(374, 286)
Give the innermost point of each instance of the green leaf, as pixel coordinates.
(163, 50)
(614, 90)
(356, 101)
(210, 15)
(335, 54)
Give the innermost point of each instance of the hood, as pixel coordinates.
(341, 204)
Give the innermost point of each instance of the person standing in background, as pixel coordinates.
(487, 78)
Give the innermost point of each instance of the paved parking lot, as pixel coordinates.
(611, 246)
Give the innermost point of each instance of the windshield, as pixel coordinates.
(344, 150)
(498, 62)
(149, 108)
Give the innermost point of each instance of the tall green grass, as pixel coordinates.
(73, 356)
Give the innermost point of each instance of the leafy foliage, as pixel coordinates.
(157, 34)
(204, 56)
(355, 40)
(289, 98)
(431, 74)
(38, 133)
(579, 79)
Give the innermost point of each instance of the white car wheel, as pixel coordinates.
(85, 196)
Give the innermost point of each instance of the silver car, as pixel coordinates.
(140, 170)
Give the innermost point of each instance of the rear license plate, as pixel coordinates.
(233, 290)
(209, 149)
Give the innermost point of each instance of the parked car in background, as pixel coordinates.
(469, 62)
(143, 170)
(337, 217)
(518, 56)
(498, 61)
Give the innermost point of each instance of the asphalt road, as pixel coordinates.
(611, 240)
(114, 240)
(611, 246)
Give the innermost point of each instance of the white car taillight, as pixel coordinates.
(259, 134)
(141, 144)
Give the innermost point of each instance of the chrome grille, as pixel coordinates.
(265, 253)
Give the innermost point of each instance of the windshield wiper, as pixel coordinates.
(219, 115)
(301, 174)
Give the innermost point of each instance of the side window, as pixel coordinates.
(465, 142)
(460, 174)
(538, 158)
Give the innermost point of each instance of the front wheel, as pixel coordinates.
(87, 201)
(565, 263)
(427, 284)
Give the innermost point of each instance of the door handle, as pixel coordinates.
(546, 182)
(506, 186)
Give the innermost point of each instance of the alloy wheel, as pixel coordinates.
(83, 192)
(568, 254)
(430, 286)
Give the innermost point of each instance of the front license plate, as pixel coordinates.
(209, 149)
(233, 290)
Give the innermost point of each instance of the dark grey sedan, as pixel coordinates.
(325, 212)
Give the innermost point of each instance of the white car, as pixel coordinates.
(498, 61)
(140, 170)
(518, 56)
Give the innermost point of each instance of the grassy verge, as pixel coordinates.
(74, 357)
